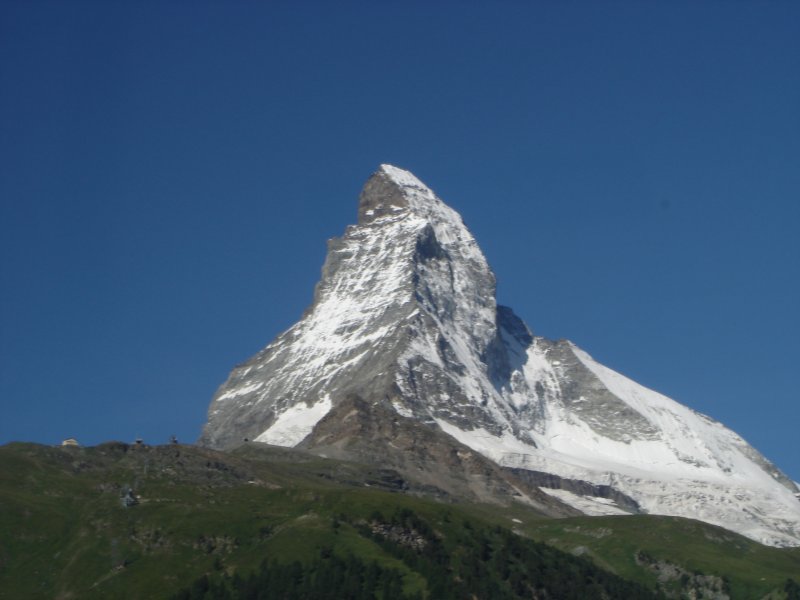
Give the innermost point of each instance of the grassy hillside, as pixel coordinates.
(635, 547)
(65, 532)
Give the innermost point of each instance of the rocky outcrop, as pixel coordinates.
(434, 463)
(580, 488)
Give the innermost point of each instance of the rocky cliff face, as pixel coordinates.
(404, 357)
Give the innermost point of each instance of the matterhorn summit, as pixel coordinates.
(405, 360)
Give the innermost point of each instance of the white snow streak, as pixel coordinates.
(588, 505)
(293, 425)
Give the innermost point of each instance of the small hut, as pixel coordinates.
(70, 442)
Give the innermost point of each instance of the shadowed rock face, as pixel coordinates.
(435, 462)
(581, 488)
(381, 197)
(404, 359)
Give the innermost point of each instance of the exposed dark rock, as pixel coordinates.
(581, 488)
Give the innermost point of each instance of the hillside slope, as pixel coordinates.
(65, 531)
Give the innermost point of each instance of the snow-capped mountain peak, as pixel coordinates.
(391, 191)
(404, 318)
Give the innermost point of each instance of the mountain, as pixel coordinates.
(405, 359)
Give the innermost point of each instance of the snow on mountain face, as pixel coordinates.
(384, 285)
(405, 314)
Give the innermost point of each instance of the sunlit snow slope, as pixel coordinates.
(405, 314)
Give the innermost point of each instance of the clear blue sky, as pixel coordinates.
(169, 173)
